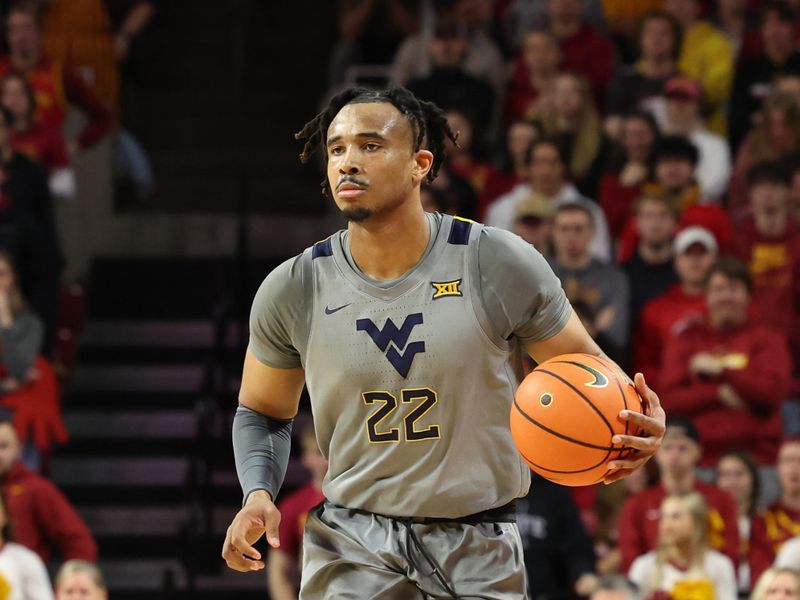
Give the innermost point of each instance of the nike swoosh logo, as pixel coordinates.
(600, 380)
(330, 311)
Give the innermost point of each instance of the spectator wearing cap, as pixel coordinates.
(673, 164)
(598, 291)
(754, 78)
(448, 83)
(621, 185)
(547, 176)
(684, 117)
(729, 373)
(638, 86)
(695, 251)
(650, 271)
(768, 241)
(707, 56)
(533, 222)
(781, 520)
(677, 460)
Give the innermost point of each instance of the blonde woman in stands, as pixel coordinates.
(23, 575)
(684, 567)
(778, 584)
(80, 580)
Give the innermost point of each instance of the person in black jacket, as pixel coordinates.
(559, 556)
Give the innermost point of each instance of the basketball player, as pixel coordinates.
(401, 326)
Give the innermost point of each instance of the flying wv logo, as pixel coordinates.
(398, 353)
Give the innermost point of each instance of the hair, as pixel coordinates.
(677, 30)
(28, 7)
(659, 197)
(762, 147)
(617, 583)
(573, 207)
(428, 123)
(588, 131)
(80, 566)
(732, 268)
(546, 141)
(7, 531)
(618, 155)
(26, 88)
(506, 162)
(16, 300)
(744, 457)
(769, 172)
(698, 508)
(674, 146)
(782, 10)
(767, 577)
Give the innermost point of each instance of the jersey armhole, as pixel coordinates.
(473, 266)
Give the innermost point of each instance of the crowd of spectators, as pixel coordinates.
(650, 150)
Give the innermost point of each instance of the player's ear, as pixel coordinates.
(423, 161)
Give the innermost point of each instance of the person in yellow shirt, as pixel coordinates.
(706, 55)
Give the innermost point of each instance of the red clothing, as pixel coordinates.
(520, 101)
(638, 522)
(43, 144)
(476, 172)
(770, 530)
(587, 52)
(618, 202)
(43, 518)
(294, 511)
(662, 319)
(498, 183)
(775, 266)
(54, 86)
(756, 363)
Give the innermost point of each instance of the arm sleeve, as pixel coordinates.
(21, 343)
(62, 525)
(37, 582)
(261, 448)
(85, 98)
(276, 317)
(521, 294)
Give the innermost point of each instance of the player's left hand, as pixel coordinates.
(651, 425)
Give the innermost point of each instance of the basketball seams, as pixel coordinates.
(613, 372)
(566, 438)
(581, 394)
(586, 470)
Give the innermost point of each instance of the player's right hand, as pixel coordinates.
(258, 517)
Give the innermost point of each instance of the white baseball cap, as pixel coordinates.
(694, 235)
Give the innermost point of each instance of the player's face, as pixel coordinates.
(80, 586)
(9, 448)
(372, 166)
(727, 300)
(676, 522)
(734, 477)
(23, 35)
(678, 454)
(693, 264)
(655, 223)
(789, 467)
(14, 97)
(784, 586)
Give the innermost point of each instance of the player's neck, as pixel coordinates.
(386, 247)
(678, 483)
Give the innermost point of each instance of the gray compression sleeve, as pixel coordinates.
(261, 448)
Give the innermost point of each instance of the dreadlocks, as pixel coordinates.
(428, 123)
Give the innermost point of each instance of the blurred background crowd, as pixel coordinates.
(650, 149)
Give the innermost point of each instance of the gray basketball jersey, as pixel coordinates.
(410, 384)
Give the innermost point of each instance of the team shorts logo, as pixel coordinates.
(393, 342)
(443, 289)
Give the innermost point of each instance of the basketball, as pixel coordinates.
(565, 413)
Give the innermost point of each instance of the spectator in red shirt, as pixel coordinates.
(729, 373)
(541, 57)
(583, 49)
(44, 519)
(54, 85)
(794, 190)
(769, 242)
(781, 520)
(663, 318)
(43, 144)
(677, 460)
(463, 159)
(621, 186)
(283, 568)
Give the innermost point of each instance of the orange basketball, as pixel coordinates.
(565, 414)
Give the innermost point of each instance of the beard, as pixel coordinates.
(356, 215)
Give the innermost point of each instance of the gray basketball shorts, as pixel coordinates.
(356, 554)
